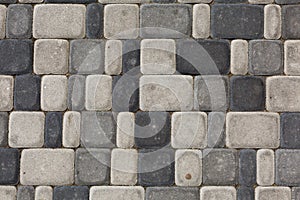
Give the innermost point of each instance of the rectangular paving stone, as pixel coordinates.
(27, 92)
(19, 21)
(295, 193)
(218, 192)
(53, 21)
(71, 1)
(16, 56)
(113, 57)
(230, 1)
(117, 192)
(275, 193)
(265, 167)
(216, 129)
(30, 1)
(53, 129)
(94, 20)
(165, 21)
(245, 193)
(290, 130)
(92, 166)
(291, 57)
(131, 56)
(261, 1)
(76, 92)
(6, 92)
(201, 20)
(252, 130)
(71, 192)
(125, 130)
(3, 128)
(287, 168)
(10, 167)
(287, 1)
(290, 25)
(174, 193)
(272, 22)
(43, 193)
(2, 21)
(26, 129)
(237, 21)
(158, 92)
(8, 192)
(247, 167)
(239, 57)
(277, 99)
(71, 129)
(25, 193)
(47, 167)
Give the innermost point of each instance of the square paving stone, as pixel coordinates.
(287, 167)
(166, 20)
(8, 192)
(296, 193)
(53, 129)
(131, 56)
(6, 92)
(152, 129)
(247, 93)
(43, 193)
(247, 167)
(245, 193)
(27, 92)
(92, 166)
(71, 192)
(220, 167)
(3, 128)
(15, 56)
(290, 130)
(290, 22)
(9, 165)
(94, 20)
(218, 192)
(237, 21)
(156, 167)
(76, 92)
(265, 57)
(174, 193)
(87, 57)
(25, 193)
(216, 129)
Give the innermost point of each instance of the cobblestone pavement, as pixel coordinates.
(150, 100)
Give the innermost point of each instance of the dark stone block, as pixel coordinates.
(131, 56)
(71, 192)
(247, 167)
(174, 193)
(290, 22)
(53, 129)
(8, 1)
(231, 1)
(290, 130)
(9, 165)
(71, 1)
(287, 1)
(76, 92)
(3, 128)
(94, 20)
(25, 193)
(245, 193)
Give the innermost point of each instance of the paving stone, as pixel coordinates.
(230, 1)
(94, 20)
(27, 92)
(47, 167)
(291, 57)
(117, 192)
(265, 57)
(295, 193)
(25, 193)
(98, 95)
(2, 21)
(194, 1)
(51, 56)
(158, 56)
(43, 193)
(156, 167)
(76, 92)
(87, 57)
(220, 167)
(245, 193)
(188, 167)
(287, 1)
(3, 129)
(10, 163)
(174, 193)
(98, 129)
(124, 166)
(92, 166)
(265, 167)
(152, 129)
(71, 129)
(53, 129)
(8, 192)
(252, 130)
(26, 129)
(211, 93)
(261, 1)
(272, 21)
(121, 21)
(30, 1)
(277, 98)
(52, 21)
(218, 192)
(54, 93)
(189, 130)
(247, 167)
(16, 56)
(166, 21)
(113, 57)
(19, 21)
(216, 129)
(131, 55)
(239, 57)
(247, 93)
(290, 25)
(159, 93)
(275, 193)
(290, 135)
(237, 21)
(6, 92)
(71, 1)
(201, 19)
(125, 130)
(71, 192)
(287, 168)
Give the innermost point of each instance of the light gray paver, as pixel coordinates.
(125, 130)
(43, 193)
(218, 193)
(117, 192)
(261, 1)
(239, 57)
(201, 20)
(292, 57)
(8, 192)
(2, 21)
(6, 93)
(113, 57)
(274, 193)
(265, 167)
(272, 21)
(71, 129)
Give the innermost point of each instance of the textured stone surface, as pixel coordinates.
(2, 21)
(201, 20)
(245, 193)
(26, 129)
(216, 129)
(113, 57)
(287, 1)
(189, 130)
(125, 130)
(3, 129)
(265, 167)
(71, 129)
(239, 57)
(275, 193)
(290, 26)
(215, 192)
(8, 192)
(291, 57)
(25, 193)
(231, 1)
(6, 92)
(252, 130)
(165, 21)
(53, 129)
(131, 56)
(295, 193)
(71, 192)
(272, 22)
(117, 192)
(76, 92)
(174, 193)
(94, 20)
(247, 167)
(52, 21)
(43, 193)
(9, 161)
(290, 129)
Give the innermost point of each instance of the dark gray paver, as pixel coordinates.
(9, 165)
(290, 24)
(290, 130)
(71, 1)
(53, 129)
(7, 1)
(94, 20)
(247, 167)
(230, 1)
(287, 1)
(3, 128)
(296, 193)
(25, 193)
(131, 55)
(174, 193)
(71, 192)
(76, 92)
(245, 193)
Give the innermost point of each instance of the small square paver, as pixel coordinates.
(53, 129)
(3, 128)
(158, 56)
(125, 130)
(218, 192)
(10, 164)
(25, 192)
(174, 193)
(3, 10)
(94, 20)
(291, 57)
(71, 192)
(216, 129)
(265, 57)
(76, 92)
(152, 129)
(275, 193)
(290, 25)
(71, 129)
(8, 192)
(245, 193)
(290, 130)
(156, 167)
(247, 167)
(6, 92)
(247, 93)
(43, 193)
(117, 192)
(92, 166)
(220, 167)
(26, 129)
(121, 21)
(51, 56)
